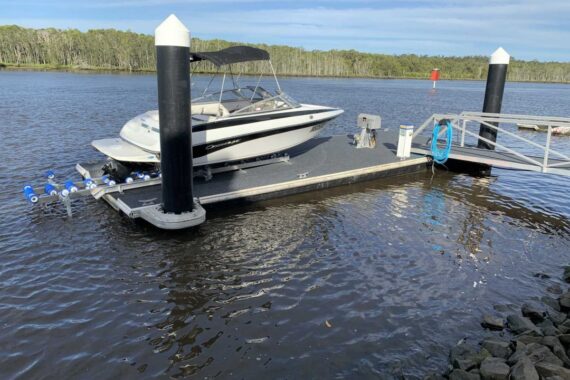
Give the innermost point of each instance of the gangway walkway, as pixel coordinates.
(504, 156)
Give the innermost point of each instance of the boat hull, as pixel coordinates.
(224, 140)
(241, 148)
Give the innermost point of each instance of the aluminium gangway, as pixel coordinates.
(508, 157)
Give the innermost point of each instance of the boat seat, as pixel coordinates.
(212, 109)
(236, 105)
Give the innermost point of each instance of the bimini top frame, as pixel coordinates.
(232, 55)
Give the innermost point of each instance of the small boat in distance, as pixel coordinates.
(228, 125)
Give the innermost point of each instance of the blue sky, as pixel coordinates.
(527, 29)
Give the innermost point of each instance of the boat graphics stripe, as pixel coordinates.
(204, 149)
(253, 119)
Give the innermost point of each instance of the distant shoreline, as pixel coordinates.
(110, 50)
(103, 70)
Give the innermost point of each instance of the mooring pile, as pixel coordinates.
(536, 344)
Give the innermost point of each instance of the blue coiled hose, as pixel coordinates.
(440, 156)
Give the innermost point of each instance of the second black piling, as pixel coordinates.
(496, 78)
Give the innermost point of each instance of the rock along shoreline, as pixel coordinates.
(538, 346)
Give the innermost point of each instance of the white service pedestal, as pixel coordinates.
(405, 141)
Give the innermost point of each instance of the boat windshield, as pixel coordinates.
(248, 93)
(270, 102)
(249, 99)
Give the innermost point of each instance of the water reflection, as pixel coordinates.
(481, 193)
(241, 294)
(433, 207)
(399, 202)
(230, 281)
(473, 226)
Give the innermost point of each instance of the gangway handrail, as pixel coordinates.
(516, 136)
(520, 155)
(488, 118)
(518, 117)
(558, 164)
(519, 121)
(509, 119)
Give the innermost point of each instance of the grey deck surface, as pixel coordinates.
(319, 157)
(497, 158)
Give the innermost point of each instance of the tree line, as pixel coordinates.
(110, 49)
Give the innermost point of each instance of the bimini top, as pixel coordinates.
(234, 54)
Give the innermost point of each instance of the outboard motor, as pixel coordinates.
(117, 171)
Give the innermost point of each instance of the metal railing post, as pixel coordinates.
(547, 149)
(423, 126)
(463, 132)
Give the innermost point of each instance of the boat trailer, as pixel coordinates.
(98, 183)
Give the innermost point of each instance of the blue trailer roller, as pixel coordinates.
(50, 174)
(89, 184)
(70, 186)
(108, 181)
(50, 189)
(30, 194)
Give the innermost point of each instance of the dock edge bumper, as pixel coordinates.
(169, 221)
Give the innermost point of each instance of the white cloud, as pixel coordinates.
(450, 30)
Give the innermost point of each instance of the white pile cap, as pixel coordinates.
(172, 32)
(500, 57)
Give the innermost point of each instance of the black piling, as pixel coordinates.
(172, 41)
(494, 90)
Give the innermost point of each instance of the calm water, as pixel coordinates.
(401, 269)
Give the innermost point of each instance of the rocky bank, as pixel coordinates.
(533, 344)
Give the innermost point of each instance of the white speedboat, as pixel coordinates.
(229, 125)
